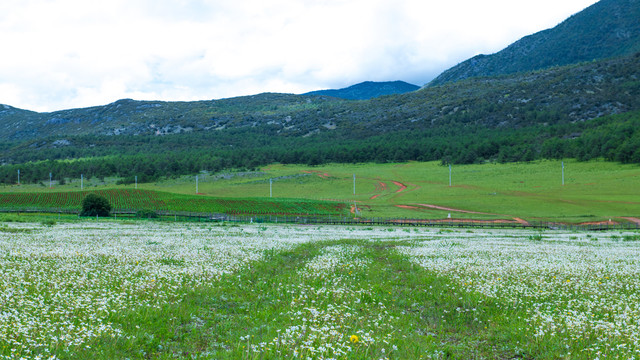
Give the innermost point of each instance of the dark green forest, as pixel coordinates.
(614, 138)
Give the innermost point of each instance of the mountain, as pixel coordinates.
(131, 117)
(606, 29)
(558, 112)
(368, 90)
(575, 93)
(535, 109)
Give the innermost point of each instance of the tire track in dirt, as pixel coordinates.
(321, 174)
(454, 210)
(468, 221)
(521, 221)
(380, 186)
(599, 223)
(632, 219)
(436, 207)
(402, 186)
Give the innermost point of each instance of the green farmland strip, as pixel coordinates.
(163, 201)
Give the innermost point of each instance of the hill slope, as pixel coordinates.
(131, 117)
(554, 113)
(572, 93)
(368, 90)
(606, 29)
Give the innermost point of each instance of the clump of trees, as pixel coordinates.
(95, 205)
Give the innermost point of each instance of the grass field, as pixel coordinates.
(140, 290)
(593, 191)
(132, 199)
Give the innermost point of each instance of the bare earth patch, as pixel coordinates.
(632, 219)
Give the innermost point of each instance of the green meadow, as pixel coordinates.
(152, 290)
(592, 191)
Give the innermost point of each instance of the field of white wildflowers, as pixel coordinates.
(324, 319)
(583, 289)
(60, 286)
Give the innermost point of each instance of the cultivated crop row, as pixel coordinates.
(159, 201)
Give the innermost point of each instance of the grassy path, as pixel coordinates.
(346, 299)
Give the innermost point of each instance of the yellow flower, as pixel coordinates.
(354, 339)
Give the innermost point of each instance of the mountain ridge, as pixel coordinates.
(368, 90)
(606, 29)
(579, 92)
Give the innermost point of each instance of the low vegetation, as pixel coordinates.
(229, 292)
(149, 201)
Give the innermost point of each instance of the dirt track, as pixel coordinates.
(469, 221)
(454, 210)
(380, 186)
(319, 173)
(632, 219)
(515, 219)
(402, 186)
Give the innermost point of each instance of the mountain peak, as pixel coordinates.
(368, 90)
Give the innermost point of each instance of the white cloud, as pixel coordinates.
(73, 53)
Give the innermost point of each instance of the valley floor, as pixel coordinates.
(156, 290)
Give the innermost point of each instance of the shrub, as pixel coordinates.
(48, 223)
(536, 237)
(147, 214)
(95, 205)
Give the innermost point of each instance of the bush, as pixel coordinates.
(48, 223)
(95, 205)
(147, 214)
(537, 237)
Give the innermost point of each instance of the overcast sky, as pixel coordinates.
(61, 54)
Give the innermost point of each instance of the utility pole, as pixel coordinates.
(355, 204)
(354, 184)
(270, 188)
(136, 181)
(50, 182)
(81, 182)
(196, 184)
(18, 177)
(563, 173)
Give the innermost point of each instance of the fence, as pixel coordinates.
(344, 220)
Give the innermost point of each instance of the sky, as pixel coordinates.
(62, 54)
